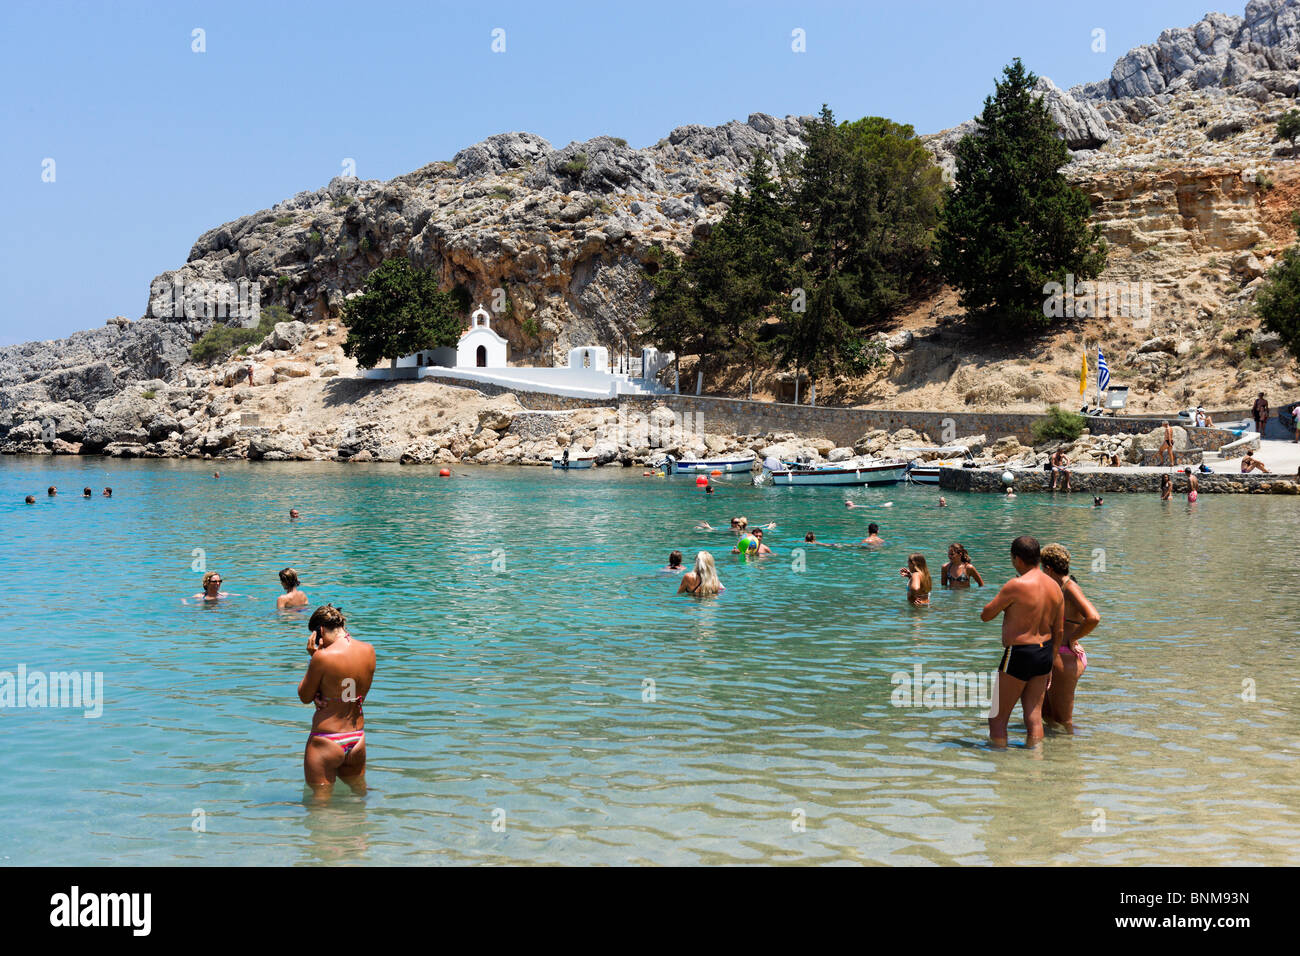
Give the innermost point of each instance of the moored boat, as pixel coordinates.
(572, 462)
(874, 472)
(706, 466)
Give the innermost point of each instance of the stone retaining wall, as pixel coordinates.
(1117, 482)
(540, 401)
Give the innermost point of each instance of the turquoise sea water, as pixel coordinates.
(518, 615)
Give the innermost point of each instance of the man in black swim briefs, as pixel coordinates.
(1033, 625)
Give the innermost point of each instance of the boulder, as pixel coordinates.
(285, 336)
(840, 454)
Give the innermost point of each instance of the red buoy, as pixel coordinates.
(715, 472)
(701, 481)
(444, 473)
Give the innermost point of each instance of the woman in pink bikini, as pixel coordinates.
(1080, 619)
(337, 682)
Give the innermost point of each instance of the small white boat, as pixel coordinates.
(573, 462)
(871, 472)
(927, 472)
(706, 466)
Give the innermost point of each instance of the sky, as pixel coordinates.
(153, 140)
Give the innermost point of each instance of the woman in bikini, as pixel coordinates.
(337, 682)
(918, 581)
(1080, 620)
(703, 580)
(958, 572)
(1166, 488)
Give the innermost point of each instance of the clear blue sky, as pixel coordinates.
(154, 144)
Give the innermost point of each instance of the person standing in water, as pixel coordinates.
(1166, 488)
(674, 562)
(292, 597)
(1081, 618)
(918, 580)
(1033, 625)
(337, 681)
(1193, 485)
(959, 572)
(703, 580)
(873, 535)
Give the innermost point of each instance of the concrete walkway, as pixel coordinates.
(1279, 457)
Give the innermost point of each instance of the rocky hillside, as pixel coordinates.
(1176, 150)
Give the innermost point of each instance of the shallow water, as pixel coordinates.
(519, 613)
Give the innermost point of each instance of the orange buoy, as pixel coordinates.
(444, 473)
(715, 472)
(701, 481)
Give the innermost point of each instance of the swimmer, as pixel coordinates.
(30, 499)
(674, 563)
(703, 580)
(1166, 487)
(918, 581)
(873, 537)
(51, 491)
(708, 489)
(943, 502)
(86, 492)
(849, 504)
(1011, 493)
(705, 526)
(1033, 625)
(293, 514)
(212, 589)
(292, 597)
(1096, 501)
(762, 548)
(1080, 619)
(216, 474)
(108, 492)
(740, 524)
(1193, 485)
(959, 572)
(337, 682)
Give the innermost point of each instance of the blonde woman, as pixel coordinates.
(211, 589)
(918, 580)
(702, 581)
(1080, 619)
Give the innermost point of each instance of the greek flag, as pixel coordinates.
(1103, 372)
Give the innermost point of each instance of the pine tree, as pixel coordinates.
(401, 310)
(1013, 223)
(1278, 301)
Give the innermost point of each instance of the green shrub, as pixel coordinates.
(1059, 425)
(220, 340)
(284, 220)
(531, 327)
(150, 394)
(576, 166)
(620, 140)
(283, 281)
(501, 193)
(314, 237)
(364, 244)
(340, 202)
